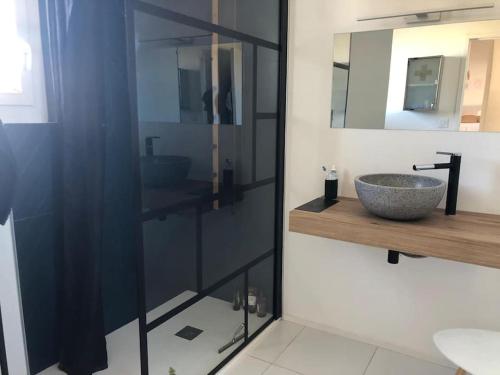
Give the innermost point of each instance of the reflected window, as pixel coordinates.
(15, 53)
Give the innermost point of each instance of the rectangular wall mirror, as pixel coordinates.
(427, 77)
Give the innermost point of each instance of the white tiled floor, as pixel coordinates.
(291, 349)
(214, 316)
(285, 348)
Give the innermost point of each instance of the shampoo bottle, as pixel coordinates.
(331, 184)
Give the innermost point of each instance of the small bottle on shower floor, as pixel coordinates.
(252, 300)
(261, 306)
(237, 300)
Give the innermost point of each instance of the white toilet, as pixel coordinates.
(474, 351)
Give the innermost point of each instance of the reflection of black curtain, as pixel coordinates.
(73, 51)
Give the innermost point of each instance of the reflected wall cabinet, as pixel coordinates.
(423, 79)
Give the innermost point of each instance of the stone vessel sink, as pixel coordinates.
(399, 196)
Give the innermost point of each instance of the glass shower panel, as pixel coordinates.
(265, 161)
(207, 137)
(261, 283)
(170, 261)
(238, 233)
(199, 338)
(267, 80)
(258, 18)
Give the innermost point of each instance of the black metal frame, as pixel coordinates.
(136, 172)
(207, 291)
(341, 66)
(276, 252)
(4, 369)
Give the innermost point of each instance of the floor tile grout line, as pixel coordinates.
(260, 359)
(286, 368)
(371, 359)
(435, 363)
(268, 366)
(285, 349)
(290, 343)
(282, 351)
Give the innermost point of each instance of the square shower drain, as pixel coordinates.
(189, 333)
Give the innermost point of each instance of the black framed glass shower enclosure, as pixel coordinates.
(207, 83)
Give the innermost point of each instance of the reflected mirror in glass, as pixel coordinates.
(174, 77)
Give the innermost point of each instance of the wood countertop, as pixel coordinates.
(467, 237)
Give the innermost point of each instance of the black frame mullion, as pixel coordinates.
(255, 55)
(245, 290)
(280, 161)
(161, 212)
(241, 347)
(199, 248)
(136, 172)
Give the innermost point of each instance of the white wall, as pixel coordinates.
(479, 69)
(341, 48)
(491, 122)
(347, 287)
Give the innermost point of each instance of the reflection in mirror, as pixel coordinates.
(340, 81)
(437, 77)
(423, 79)
(179, 69)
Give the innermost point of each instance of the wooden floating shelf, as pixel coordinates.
(467, 237)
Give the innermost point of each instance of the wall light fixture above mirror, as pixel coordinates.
(433, 77)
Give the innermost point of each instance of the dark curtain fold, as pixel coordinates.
(75, 87)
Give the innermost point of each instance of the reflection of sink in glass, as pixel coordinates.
(162, 171)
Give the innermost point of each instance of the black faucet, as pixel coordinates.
(149, 145)
(453, 177)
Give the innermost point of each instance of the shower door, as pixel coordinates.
(207, 83)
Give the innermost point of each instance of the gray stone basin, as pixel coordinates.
(399, 196)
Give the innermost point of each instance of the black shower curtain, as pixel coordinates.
(72, 40)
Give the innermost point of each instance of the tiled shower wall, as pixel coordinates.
(36, 223)
(38, 230)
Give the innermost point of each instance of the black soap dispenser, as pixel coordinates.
(331, 185)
